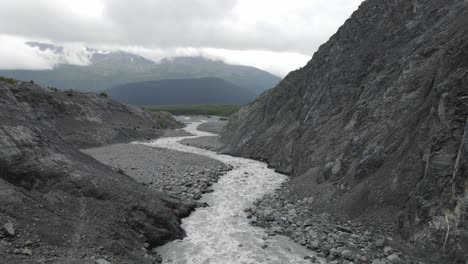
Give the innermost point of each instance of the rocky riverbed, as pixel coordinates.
(183, 175)
(338, 241)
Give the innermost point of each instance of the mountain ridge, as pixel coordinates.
(109, 69)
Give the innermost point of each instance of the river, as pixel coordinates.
(221, 233)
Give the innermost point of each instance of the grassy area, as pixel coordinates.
(7, 80)
(191, 110)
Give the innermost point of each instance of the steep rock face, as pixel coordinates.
(69, 206)
(374, 126)
(87, 119)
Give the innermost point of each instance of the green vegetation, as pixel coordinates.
(191, 110)
(8, 80)
(103, 94)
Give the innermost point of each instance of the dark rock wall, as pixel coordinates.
(69, 205)
(374, 126)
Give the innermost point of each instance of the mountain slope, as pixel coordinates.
(109, 69)
(374, 127)
(88, 120)
(181, 92)
(247, 77)
(71, 207)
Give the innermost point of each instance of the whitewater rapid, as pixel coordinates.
(221, 233)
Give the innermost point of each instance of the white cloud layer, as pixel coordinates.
(274, 35)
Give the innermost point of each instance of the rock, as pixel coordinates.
(264, 246)
(363, 258)
(9, 229)
(308, 222)
(380, 243)
(344, 229)
(27, 251)
(387, 250)
(394, 259)
(314, 244)
(347, 254)
(102, 261)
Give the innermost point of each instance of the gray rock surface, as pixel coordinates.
(184, 175)
(374, 127)
(67, 206)
(9, 229)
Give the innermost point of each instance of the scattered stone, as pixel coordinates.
(27, 251)
(9, 229)
(182, 175)
(344, 229)
(264, 246)
(363, 258)
(380, 243)
(347, 254)
(102, 261)
(394, 259)
(387, 250)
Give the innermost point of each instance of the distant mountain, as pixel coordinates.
(109, 69)
(206, 90)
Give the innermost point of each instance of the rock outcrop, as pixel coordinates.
(62, 206)
(87, 119)
(374, 127)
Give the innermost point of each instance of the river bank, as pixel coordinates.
(182, 175)
(337, 241)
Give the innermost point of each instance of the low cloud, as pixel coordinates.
(241, 27)
(16, 54)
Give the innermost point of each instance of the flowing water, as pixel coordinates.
(221, 233)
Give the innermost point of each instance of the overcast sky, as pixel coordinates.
(275, 35)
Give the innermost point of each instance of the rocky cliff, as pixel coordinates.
(58, 205)
(374, 127)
